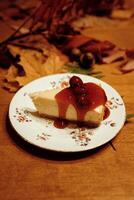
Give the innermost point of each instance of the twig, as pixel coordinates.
(11, 37)
(112, 146)
(23, 35)
(26, 47)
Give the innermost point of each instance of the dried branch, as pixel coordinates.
(53, 14)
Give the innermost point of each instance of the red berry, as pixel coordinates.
(83, 101)
(80, 90)
(75, 81)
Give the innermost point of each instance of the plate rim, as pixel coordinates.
(56, 150)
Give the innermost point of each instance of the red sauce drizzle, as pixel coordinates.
(60, 123)
(106, 113)
(96, 97)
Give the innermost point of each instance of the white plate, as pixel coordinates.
(42, 133)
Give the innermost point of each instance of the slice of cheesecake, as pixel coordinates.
(64, 104)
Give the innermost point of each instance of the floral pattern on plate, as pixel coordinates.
(22, 115)
(41, 131)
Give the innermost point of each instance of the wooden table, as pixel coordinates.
(103, 174)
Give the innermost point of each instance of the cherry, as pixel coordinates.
(80, 90)
(83, 101)
(75, 81)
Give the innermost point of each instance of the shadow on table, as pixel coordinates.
(44, 153)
